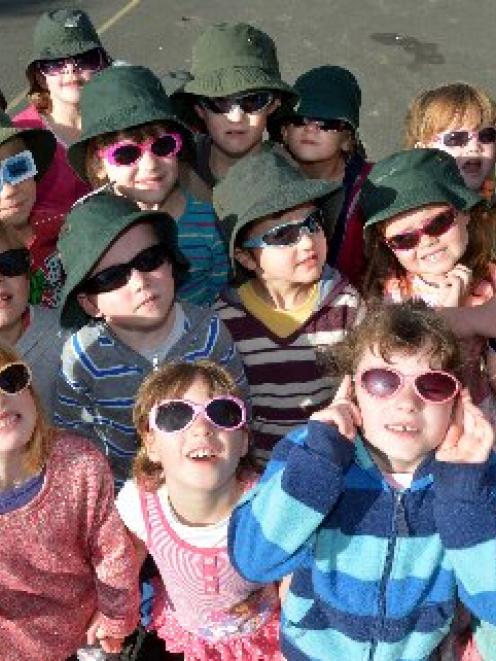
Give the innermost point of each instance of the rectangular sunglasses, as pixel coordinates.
(225, 412)
(336, 125)
(17, 168)
(91, 60)
(118, 275)
(249, 103)
(287, 234)
(436, 226)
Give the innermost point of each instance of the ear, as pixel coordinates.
(245, 441)
(200, 111)
(347, 142)
(88, 305)
(150, 443)
(245, 258)
(284, 133)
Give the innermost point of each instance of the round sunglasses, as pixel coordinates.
(127, 152)
(435, 387)
(335, 125)
(249, 103)
(287, 234)
(435, 226)
(14, 378)
(173, 415)
(118, 275)
(485, 136)
(91, 60)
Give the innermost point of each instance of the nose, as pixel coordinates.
(148, 160)
(137, 279)
(306, 239)
(201, 426)
(311, 127)
(474, 144)
(235, 113)
(70, 66)
(407, 398)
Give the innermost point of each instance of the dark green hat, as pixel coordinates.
(411, 179)
(260, 185)
(229, 59)
(40, 142)
(329, 92)
(116, 99)
(89, 231)
(62, 33)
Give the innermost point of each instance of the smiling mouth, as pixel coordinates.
(202, 454)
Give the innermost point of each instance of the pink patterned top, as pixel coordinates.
(64, 555)
(207, 610)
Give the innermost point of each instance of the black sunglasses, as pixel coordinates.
(249, 103)
(91, 60)
(336, 125)
(14, 262)
(118, 275)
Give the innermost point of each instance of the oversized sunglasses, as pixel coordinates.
(436, 226)
(17, 168)
(336, 125)
(118, 275)
(249, 103)
(14, 378)
(287, 234)
(127, 152)
(485, 136)
(14, 262)
(435, 387)
(173, 415)
(91, 60)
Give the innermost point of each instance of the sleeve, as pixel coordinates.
(226, 354)
(113, 558)
(129, 508)
(465, 516)
(272, 530)
(73, 407)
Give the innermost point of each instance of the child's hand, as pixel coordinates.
(342, 412)
(97, 635)
(470, 437)
(454, 286)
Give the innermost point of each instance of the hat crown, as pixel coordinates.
(226, 46)
(64, 32)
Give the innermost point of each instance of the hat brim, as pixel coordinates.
(72, 316)
(40, 142)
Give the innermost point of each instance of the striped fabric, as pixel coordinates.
(100, 375)
(202, 245)
(286, 382)
(375, 571)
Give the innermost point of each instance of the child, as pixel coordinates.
(364, 521)
(67, 51)
(189, 474)
(459, 119)
(122, 265)
(34, 330)
(428, 236)
(236, 84)
(132, 138)
(292, 304)
(321, 134)
(68, 569)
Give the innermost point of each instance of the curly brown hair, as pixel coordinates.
(168, 382)
(383, 264)
(435, 110)
(390, 328)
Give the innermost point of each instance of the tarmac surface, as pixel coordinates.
(394, 47)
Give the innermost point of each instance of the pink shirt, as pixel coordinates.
(64, 555)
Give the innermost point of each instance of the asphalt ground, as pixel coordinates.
(394, 47)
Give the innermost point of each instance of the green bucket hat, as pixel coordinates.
(411, 179)
(229, 59)
(62, 33)
(89, 230)
(116, 99)
(274, 185)
(40, 142)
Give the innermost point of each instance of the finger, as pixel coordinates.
(450, 441)
(345, 389)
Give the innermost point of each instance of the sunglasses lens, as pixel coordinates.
(286, 235)
(164, 146)
(225, 413)
(439, 224)
(255, 102)
(14, 262)
(107, 280)
(14, 378)
(405, 241)
(90, 61)
(380, 382)
(150, 258)
(436, 386)
(455, 139)
(18, 168)
(126, 154)
(488, 135)
(173, 416)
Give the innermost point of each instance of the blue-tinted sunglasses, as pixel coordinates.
(287, 234)
(17, 168)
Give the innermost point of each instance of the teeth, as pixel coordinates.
(201, 453)
(433, 257)
(401, 428)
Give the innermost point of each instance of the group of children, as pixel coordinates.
(184, 303)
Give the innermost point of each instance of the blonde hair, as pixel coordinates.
(435, 110)
(38, 449)
(168, 382)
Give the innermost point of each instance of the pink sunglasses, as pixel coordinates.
(172, 415)
(127, 152)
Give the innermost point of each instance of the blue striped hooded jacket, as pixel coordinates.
(376, 571)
